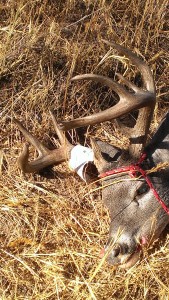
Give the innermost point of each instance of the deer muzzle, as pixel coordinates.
(122, 254)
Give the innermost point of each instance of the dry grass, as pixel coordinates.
(51, 232)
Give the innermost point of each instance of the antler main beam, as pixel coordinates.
(128, 102)
(141, 98)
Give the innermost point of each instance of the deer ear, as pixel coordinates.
(99, 161)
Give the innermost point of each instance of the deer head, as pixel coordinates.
(137, 218)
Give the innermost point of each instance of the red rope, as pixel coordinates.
(132, 169)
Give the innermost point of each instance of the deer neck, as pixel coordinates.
(158, 149)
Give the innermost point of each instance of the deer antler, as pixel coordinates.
(142, 99)
(46, 157)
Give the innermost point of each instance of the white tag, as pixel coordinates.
(80, 156)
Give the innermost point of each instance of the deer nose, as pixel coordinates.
(119, 249)
(114, 257)
(116, 251)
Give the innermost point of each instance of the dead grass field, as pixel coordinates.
(52, 227)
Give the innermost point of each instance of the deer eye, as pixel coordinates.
(144, 188)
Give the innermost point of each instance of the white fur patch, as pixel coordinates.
(80, 156)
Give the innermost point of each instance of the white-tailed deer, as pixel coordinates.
(135, 183)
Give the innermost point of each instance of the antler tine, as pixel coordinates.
(128, 83)
(46, 157)
(142, 66)
(140, 130)
(31, 139)
(122, 92)
(61, 135)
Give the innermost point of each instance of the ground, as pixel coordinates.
(52, 225)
